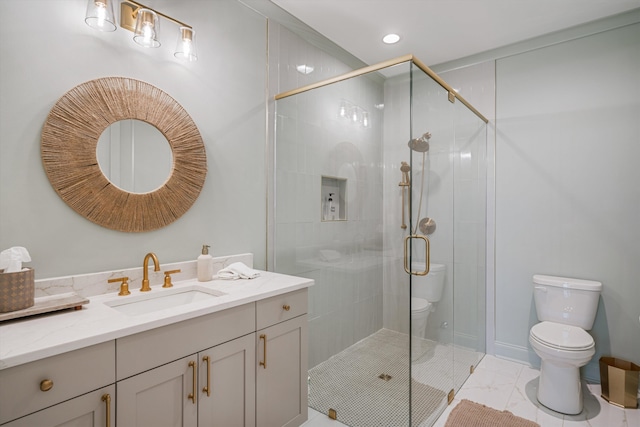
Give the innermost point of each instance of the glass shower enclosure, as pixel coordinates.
(380, 190)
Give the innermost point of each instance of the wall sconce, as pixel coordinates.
(147, 28)
(144, 22)
(100, 15)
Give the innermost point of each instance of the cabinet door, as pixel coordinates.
(227, 387)
(88, 410)
(281, 377)
(160, 397)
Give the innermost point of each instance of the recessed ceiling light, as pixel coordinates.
(391, 38)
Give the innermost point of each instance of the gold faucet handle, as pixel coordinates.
(167, 278)
(124, 286)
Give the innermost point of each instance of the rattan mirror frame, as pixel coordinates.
(68, 149)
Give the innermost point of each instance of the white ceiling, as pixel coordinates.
(438, 31)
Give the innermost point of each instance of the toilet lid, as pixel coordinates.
(419, 304)
(562, 337)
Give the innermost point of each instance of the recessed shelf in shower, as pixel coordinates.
(333, 199)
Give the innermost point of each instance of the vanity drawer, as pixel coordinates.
(147, 350)
(280, 308)
(72, 374)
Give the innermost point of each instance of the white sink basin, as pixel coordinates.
(162, 300)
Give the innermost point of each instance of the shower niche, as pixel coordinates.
(333, 205)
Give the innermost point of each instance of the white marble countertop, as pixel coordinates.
(31, 339)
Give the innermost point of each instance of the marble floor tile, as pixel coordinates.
(503, 384)
(523, 401)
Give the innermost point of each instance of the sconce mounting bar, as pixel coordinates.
(129, 11)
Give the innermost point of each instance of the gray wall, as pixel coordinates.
(567, 192)
(224, 92)
(563, 181)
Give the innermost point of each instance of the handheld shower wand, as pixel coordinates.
(405, 169)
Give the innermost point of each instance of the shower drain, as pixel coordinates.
(385, 377)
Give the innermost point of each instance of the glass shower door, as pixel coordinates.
(448, 192)
(431, 248)
(366, 189)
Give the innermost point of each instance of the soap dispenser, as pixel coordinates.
(205, 265)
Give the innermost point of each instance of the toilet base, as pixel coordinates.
(559, 388)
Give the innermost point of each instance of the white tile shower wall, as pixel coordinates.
(396, 134)
(567, 192)
(311, 141)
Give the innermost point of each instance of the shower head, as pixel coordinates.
(421, 144)
(404, 167)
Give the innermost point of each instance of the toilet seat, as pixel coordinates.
(561, 337)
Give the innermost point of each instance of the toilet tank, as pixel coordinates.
(566, 300)
(428, 287)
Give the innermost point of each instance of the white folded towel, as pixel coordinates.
(237, 270)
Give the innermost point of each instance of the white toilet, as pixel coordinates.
(566, 309)
(425, 291)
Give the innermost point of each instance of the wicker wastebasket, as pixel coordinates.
(16, 290)
(619, 381)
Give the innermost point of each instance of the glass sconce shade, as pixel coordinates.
(342, 112)
(147, 28)
(100, 15)
(186, 47)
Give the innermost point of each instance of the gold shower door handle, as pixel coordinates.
(407, 242)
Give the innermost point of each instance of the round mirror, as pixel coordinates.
(69, 151)
(134, 156)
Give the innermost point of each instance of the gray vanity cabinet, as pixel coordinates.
(171, 376)
(243, 366)
(66, 389)
(281, 376)
(231, 383)
(88, 410)
(215, 387)
(159, 397)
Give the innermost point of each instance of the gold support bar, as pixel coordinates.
(452, 94)
(444, 84)
(129, 11)
(349, 75)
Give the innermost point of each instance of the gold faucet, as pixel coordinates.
(145, 271)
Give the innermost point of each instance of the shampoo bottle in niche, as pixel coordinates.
(205, 265)
(332, 208)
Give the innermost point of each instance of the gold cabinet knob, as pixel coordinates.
(286, 307)
(46, 385)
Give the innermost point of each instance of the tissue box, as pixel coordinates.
(16, 290)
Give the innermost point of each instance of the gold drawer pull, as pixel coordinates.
(207, 388)
(264, 363)
(286, 307)
(46, 385)
(192, 395)
(107, 399)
